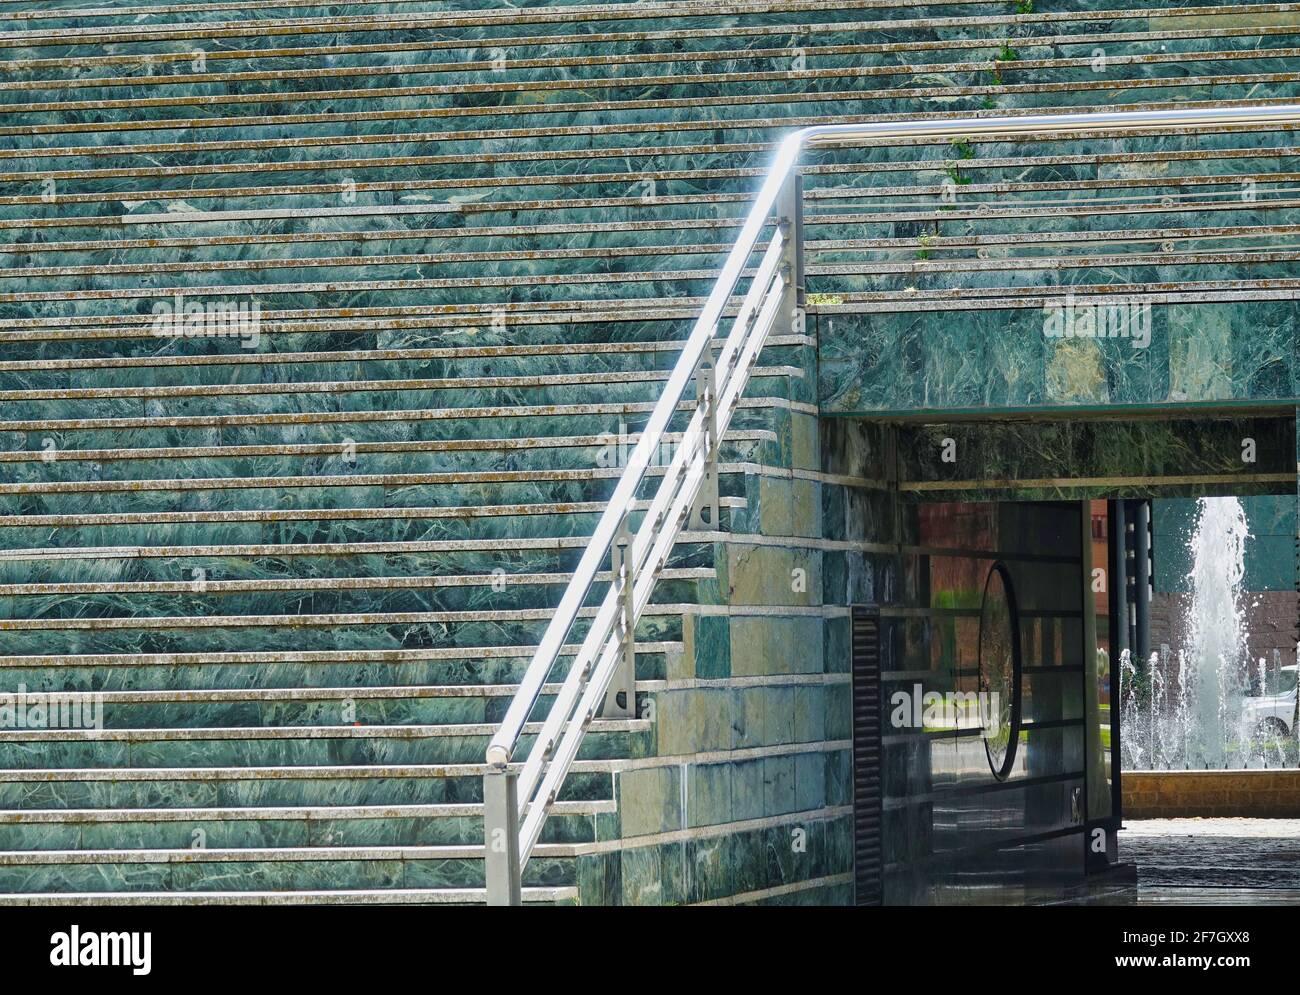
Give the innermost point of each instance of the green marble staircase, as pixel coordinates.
(303, 566)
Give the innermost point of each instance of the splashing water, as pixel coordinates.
(1185, 710)
(1216, 625)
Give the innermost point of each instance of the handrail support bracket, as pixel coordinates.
(620, 700)
(706, 398)
(789, 214)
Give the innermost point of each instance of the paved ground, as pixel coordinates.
(1214, 861)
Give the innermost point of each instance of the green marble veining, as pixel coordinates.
(408, 199)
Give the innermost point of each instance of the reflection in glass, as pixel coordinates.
(999, 670)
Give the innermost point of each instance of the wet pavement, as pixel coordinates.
(1214, 861)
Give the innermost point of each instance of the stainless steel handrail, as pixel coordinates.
(516, 803)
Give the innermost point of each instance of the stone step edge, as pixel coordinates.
(311, 694)
(287, 813)
(396, 896)
(202, 734)
(204, 855)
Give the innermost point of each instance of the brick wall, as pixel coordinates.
(1264, 794)
(1270, 620)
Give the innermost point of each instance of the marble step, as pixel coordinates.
(373, 622)
(350, 241)
(291, 746)
(309, 868)
(277, 709)
(544, 518)
(280, 704)
(646, 150)
(581, 480)
(496, 168)
(1135, 36)
(646, 345)
(368, 618)
(309, 30)
(355, 489)
(469, 670)
(294, 826)
(371, 896)
(526, 420)
(570, 197)
(305, 631)
(470, 360)
(740, 120)
(323, 784)
(397, 456)
(156, 113)
(460, 591)
(179, 561)
(290, 708)
(595, 69)
(535, 552)
(224, 398)
(840, 220)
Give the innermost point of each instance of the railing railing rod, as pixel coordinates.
(565, 699)
(663, 543)
(644, 551)
(503, 742)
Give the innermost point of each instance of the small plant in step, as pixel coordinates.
(955, 175)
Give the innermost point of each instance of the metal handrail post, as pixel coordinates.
(624, 576)
(789, 215)
(501, 837)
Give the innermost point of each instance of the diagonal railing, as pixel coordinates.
(600, 678)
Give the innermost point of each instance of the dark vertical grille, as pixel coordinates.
(867, 759)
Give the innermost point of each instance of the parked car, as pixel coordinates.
(1270, 714)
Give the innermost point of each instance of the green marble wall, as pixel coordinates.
(1201, 357)
(749, 799)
